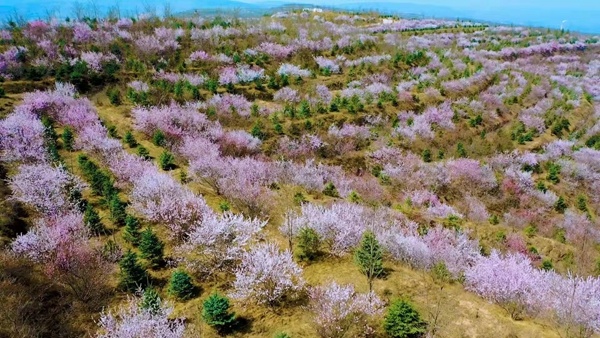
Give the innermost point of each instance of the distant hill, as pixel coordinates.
(402, 8)
(573, 16)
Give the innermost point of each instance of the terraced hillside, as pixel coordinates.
(314, 174)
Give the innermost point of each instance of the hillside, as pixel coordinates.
(316, 169)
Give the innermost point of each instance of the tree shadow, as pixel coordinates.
(385, 273)
(241, 325)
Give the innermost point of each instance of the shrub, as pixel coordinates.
(440, 273)
(403, 321)
(215, 312)
(111, 251)
(339, 311)
(267, 276)
(181, 285)
(308, 244)
(530, 230)
(592, 142)
(2, 92)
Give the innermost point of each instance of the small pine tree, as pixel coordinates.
(308, 125)
(183, 177)
(560, 205)
(333, 107)
(151, 248)
(460, 150)
(143, 152)
(178, 90)
(92, 220)
(181, 285)
(547, 265)
(582, 203)
(112, 131)
(541, 187)
(330, 190)
(304, 110)
(369, 257)
(354, 197)
(308, 244)
(426, 155)
(68, 138)
(553, 171)
(215, 312)
(114, 96)
(299, 198)
(132, 230)
(107, 188)
(254, 110)
(224, 206)
(133, 274)
(278, 128)
(440, 273)
(151, 301)
(195, 92)
(257, 131)
(403, 321)
(166, 160)
(130, 140)
(117, 209)
(158, 138)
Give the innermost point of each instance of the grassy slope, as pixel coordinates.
(460, 313)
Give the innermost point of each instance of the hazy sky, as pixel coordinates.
(581, 15)
(574, 4)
